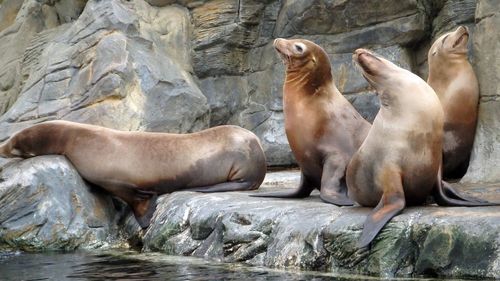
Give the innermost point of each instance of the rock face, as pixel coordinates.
(45, 205)
(118, 64)
(181, 66)
(485, 158)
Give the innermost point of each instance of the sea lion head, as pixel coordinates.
(395, 86)
(304, 57)
(378, 71)
(450, 45)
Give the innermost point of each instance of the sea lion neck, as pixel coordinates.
(308, 82)
(443, 73)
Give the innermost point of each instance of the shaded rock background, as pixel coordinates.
(485, 158)
(181, 66)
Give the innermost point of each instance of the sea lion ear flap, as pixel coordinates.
(314, 60)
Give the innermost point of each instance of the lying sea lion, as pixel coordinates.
(323, 128)
(454, 81)
(138, 166)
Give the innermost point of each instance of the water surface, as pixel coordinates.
(149, 266)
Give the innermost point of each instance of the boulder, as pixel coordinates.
(46, 205)
(485, 158)
(117, 66)
(21, 23)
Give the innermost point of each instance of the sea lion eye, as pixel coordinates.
(299, 48)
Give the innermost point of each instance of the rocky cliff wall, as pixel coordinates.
(181, 66)
(485, 159)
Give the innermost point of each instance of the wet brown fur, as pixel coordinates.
(137, 166)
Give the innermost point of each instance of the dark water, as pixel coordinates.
(133, 266)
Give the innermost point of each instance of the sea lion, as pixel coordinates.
(138, 166)
(323, 128)
(454, 81)
(399, 163)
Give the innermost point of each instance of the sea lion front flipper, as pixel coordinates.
(386, 209)
(391, 204)
(333, 188)
(304, 190)
(142, 202)
(145, 214)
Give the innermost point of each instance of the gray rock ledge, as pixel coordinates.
(308, 234)
(45, 205)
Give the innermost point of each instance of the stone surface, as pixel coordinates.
(45, 205)
(119, 64)
(311, 235)
(485, 158)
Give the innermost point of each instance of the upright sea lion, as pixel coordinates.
(454, 81)
(323, 128)
(137, 166)
(399, 162)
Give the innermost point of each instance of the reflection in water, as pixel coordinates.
(133, 266)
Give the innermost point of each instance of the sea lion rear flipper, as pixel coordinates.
(303, 191)
(389, 206)
(450, 191)
(333, 189)
(446, 195)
